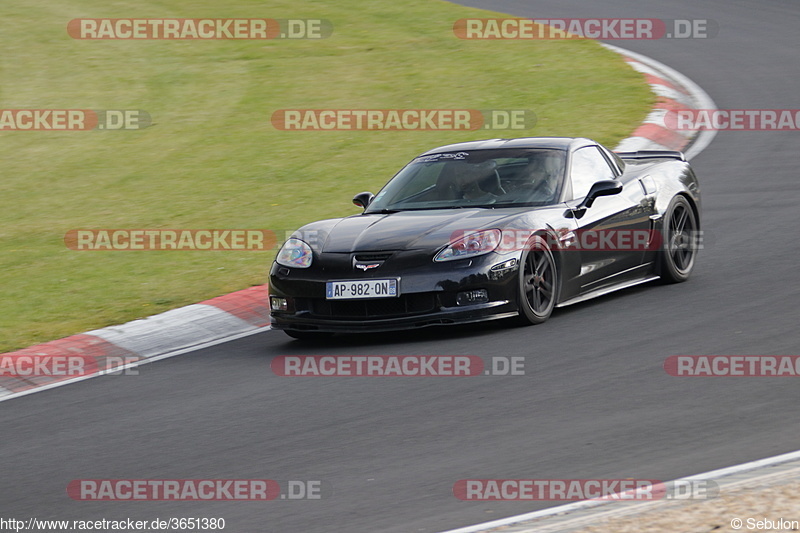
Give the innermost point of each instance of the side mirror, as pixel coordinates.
(600, 188)
(363, 199)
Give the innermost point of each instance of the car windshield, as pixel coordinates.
(479, 178)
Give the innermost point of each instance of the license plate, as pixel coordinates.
(365, 288)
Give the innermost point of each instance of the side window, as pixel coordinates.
(588, 166)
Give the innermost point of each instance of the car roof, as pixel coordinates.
(553, 143)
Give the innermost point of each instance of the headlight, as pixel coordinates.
(295, 253)
(474, 244)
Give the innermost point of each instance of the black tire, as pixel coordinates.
(538, 283)
(308, 335)
(680, 241)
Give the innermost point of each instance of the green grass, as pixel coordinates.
(213, 160)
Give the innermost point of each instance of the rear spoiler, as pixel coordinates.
(652, 154)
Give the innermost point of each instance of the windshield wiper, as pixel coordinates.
(390, 211)
(469, 206)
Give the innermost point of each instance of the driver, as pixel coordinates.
(476, 181)
(545, 176)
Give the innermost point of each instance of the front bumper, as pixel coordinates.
(428, 293)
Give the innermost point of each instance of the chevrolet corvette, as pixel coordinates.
(494, 229)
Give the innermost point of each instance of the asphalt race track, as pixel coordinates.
(594, 402)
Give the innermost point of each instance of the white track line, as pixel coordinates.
(588, 504)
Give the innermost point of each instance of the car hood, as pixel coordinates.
(407, 230)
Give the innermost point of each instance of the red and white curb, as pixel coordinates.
(674, 92)
(189, 328)
(246, 312)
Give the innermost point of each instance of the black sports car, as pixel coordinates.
(503, 228)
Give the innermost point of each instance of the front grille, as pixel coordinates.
(405, 304)
(374, 256)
